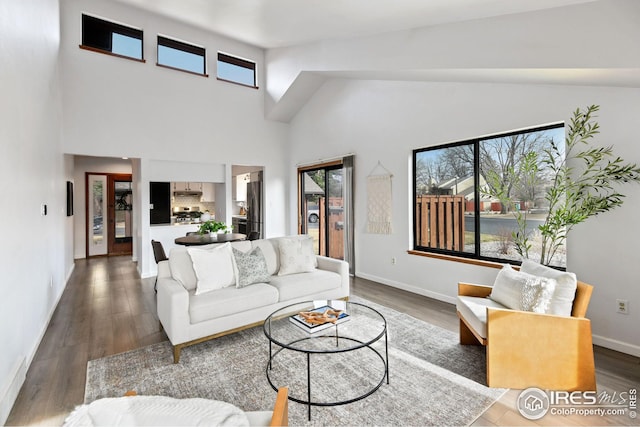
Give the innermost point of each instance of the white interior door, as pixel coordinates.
(97, 215)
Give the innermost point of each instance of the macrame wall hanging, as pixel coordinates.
(379, 200)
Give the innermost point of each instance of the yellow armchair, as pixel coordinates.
(526, 349)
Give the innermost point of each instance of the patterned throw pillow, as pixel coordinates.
(252, 267)
(296, 256)
(522, 291)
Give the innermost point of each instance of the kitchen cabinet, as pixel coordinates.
(187, 186)
(239, 224)
(240, 191)
(208, 191)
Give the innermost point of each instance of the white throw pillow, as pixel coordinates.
(562, 301)
(181, 267)
(296, 256)
(214, 268)
(522, 291)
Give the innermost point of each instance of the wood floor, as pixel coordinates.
(107, 309)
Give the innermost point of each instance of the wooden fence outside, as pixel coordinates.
(440, 222)
(335, 227)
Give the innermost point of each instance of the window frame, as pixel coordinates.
(116, 28)
(239, 62)
(182, 46)
(474, 257)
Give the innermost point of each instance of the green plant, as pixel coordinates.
(212, 226)
(583, 180)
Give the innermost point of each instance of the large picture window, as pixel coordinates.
(456, 210)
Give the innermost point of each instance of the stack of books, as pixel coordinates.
(321, 318)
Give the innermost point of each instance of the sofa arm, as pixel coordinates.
(472, 290)
(332, 264)
(163, 269)
(173, 309)
(519, 343)
(337, 266)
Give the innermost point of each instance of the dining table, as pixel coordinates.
(207, 239)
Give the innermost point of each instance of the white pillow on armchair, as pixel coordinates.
(565, 292)
(522, 291)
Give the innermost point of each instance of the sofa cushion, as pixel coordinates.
(242, 245)
(182, 268)
(251, 267)
(231, 300)
(522, 291)
(474, 311)
(296, 256)
(270, 253)
(298, 285)
(214, 268)
(566, 283)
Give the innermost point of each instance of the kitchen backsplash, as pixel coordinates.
(191, 201)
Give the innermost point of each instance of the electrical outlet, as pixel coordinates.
(623, 306)
(393, 260)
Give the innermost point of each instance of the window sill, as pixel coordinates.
(180, 69)
(106, 52)
(463, 260)
(236, 83)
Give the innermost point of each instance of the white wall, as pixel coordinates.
(35, 253)
(384, 121)
(462, 80)
(116, 107)
(572, 43)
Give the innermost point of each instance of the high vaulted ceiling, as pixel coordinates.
(277, 23)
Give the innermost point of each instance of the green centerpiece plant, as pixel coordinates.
(583, 184)
(212, 226)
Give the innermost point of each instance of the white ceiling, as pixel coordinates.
(277, 23)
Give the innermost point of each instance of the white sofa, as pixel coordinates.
(188, 318)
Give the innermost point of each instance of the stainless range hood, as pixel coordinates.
(187, 193)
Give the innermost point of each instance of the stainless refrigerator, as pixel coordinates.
(254, 205)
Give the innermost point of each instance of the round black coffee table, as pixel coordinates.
(364, 327)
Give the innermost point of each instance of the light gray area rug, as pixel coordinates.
(433, 379)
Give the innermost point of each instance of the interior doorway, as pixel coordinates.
(109, 210)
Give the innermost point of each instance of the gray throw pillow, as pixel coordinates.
(252, 267)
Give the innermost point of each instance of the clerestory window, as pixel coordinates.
(108, 37)
(182, 56)
(236, 70)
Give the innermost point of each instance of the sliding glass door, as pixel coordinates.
(322, 208)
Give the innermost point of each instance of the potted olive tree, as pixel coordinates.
(583, 180)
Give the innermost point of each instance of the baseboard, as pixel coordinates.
(408, 288)
(10, 392)
(616, 345)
